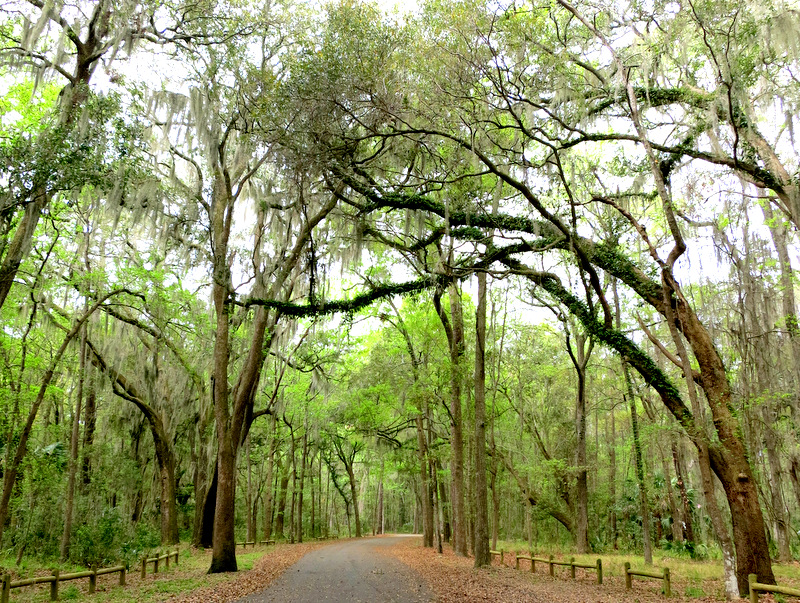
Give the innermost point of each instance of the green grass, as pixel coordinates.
(189, 575)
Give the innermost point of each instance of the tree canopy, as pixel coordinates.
(464, 250)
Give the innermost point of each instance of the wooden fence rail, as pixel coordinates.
(500, 553)
(664, 576)
(57, 577)
(156, 560)
(768, 588)
(598, 566)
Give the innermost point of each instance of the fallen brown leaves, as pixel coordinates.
(455, 580)
(264, 571)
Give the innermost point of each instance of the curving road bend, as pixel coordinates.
(354, 571)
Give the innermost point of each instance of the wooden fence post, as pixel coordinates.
(599, 571)
(6, 592)
(552, 573)
(168, 556)
(667, 583)
(177, 551)
(502, 557)
(516, 556)
(751, 579)
(155, 565)
(533, 563)
(122, 576)
(93, 579)
(144, 568)
(572, 567)
(627, 575)
(53, 586)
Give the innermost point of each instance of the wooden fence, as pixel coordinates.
(57, 577)
(156, 560)
(551, 562)
(664, 575)
(768, 588)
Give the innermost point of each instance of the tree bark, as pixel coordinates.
(481, 533)
(580, 359)
(73, 452)
(675, 526)
(424, 470)
(281, 508)
(90, 423)
(301, 485)
(351, 476)
(612, 479)
(686, 524)
(455, 338)
(644, 508)
(269, 495)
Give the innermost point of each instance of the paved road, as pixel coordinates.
(354, 571)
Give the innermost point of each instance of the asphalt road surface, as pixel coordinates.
(354, 571)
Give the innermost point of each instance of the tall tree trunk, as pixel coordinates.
(251, 528)
(425, 489)
(446, 529)
(283, 466)
(733, 587)
(495, 489)
(481, 532)
(675, 526)
(639, 463)
(269, 494)
(73, 452)
(686, 524)
(455, 337)
(637, 446)
(312, 489)
(354, 497)
(580, 359)
(223, 538)
(293, 504)
(89, 425)
(776, 482)
(380, 521)
(199, 479)
(612, 478)
(209, 505)
(301, 485)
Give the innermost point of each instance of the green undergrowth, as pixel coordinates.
(190, 574)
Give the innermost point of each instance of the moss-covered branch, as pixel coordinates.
(348, 306)
(614, 339)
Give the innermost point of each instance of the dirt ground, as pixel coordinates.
(450, 579)
(455, 580)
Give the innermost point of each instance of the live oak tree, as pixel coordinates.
(510, 128)
(293, 168)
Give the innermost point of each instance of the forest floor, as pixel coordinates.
(186, 583)
(454, 580)
(451, 578)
